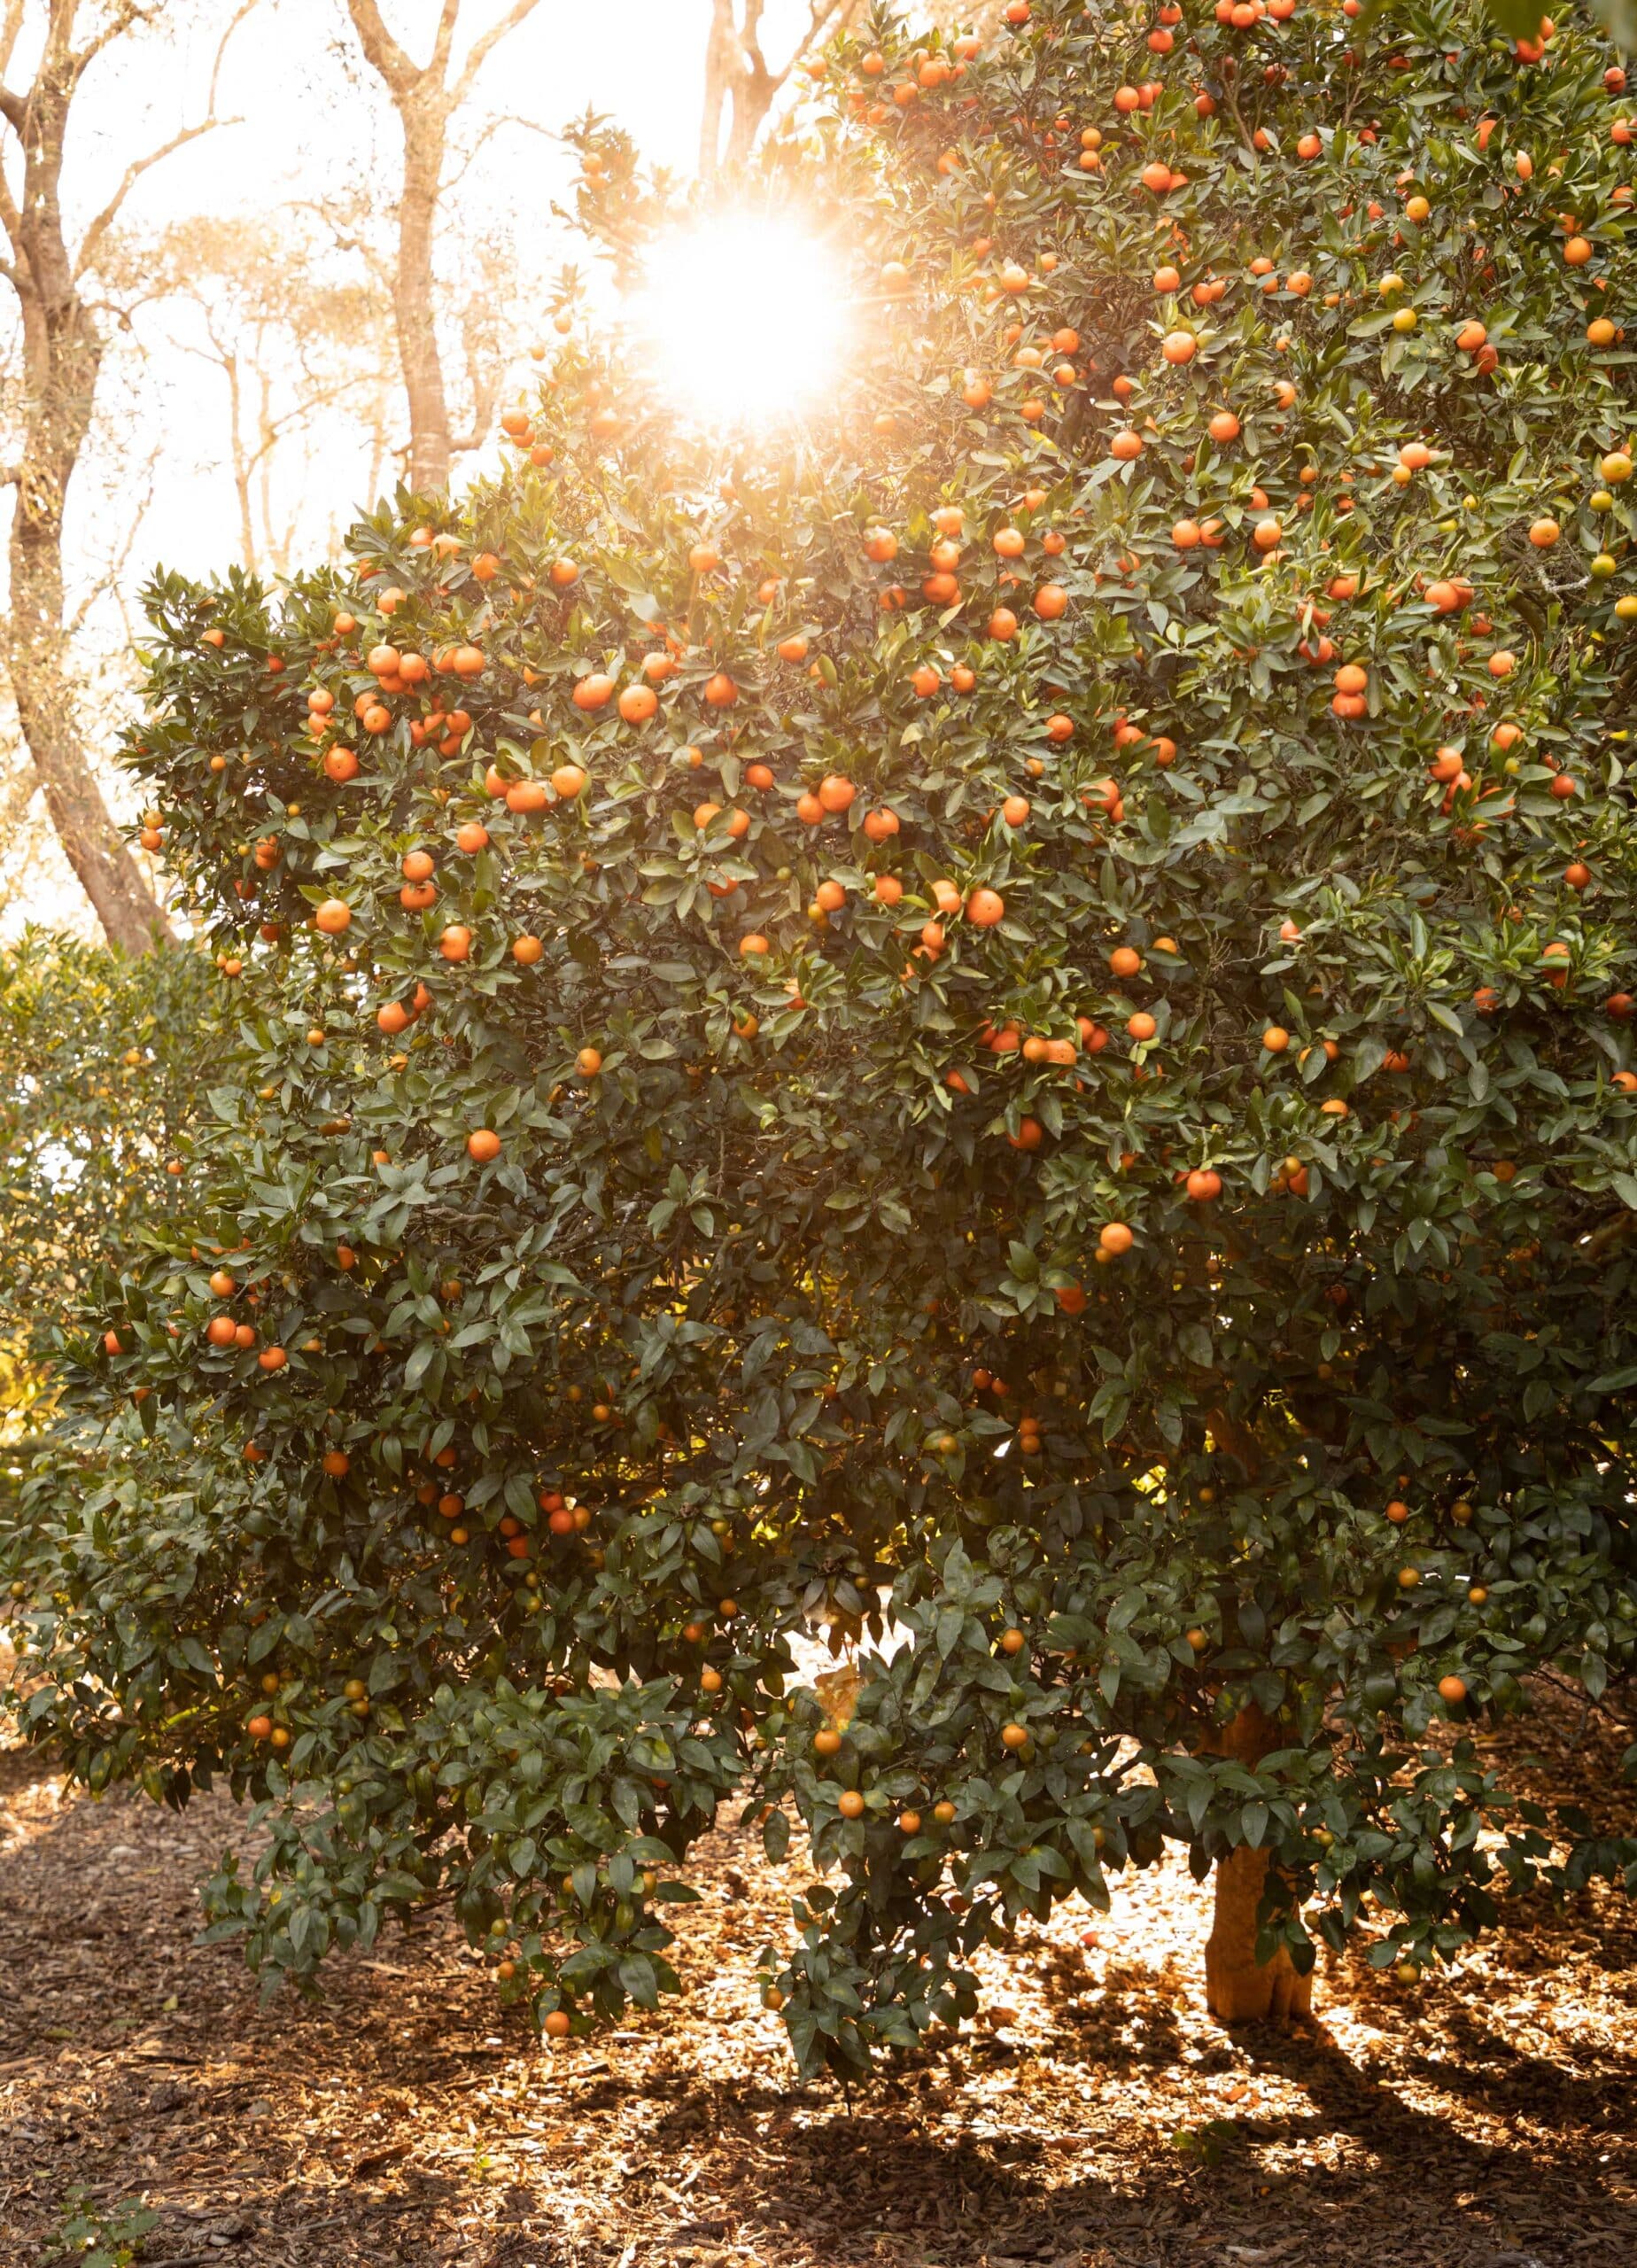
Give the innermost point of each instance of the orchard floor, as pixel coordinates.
(1096, 2120)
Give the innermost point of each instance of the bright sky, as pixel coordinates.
(315, 125)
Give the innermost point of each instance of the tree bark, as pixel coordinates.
(62, 356)
(413, 298)
(426, 99)
(1238, 1989)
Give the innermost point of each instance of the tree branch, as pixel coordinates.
(504, 118)
(382, 51)
(345, 242)
(105, 220)
(483, 46)
(100, 226)
(129, 13)
(448, 16)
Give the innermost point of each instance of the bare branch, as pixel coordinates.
(345, 241)
(382, 51)
(130, 11)
(113, 575)
(448, 16)
(133, 172)
(483, 46)
(504, 118)
(244, 8)
(10, 29)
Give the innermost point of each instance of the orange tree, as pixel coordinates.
(98, 1076)
(1007, 1016)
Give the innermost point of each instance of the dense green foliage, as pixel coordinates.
(806, 1301)
(99, 1071)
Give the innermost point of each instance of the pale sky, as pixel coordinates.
(314, 122)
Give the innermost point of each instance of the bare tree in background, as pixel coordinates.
(63, 345)
(290, 363)
(426, 96)
(741, 86)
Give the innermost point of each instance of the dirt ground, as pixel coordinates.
(1096, 2120)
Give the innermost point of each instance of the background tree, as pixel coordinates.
(302, 371)
(63, 345)
(426, 97)
(1011, 1009)
(741, 86)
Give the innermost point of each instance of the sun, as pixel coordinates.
(742, 318)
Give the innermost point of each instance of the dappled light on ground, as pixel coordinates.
(1095, 2116)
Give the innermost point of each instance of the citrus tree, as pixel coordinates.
(99, 1072)
(998, 1026)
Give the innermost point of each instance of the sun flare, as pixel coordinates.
(742, 318)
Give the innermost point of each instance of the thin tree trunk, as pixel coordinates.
(1238, 1989)
(241, 469)
(426, 98)
(413, 301)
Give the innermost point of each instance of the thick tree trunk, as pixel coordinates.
(1238, 1989)
(36, 662)
(413, 297)
(62, 355)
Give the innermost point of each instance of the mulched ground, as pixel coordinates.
(1097, 2119)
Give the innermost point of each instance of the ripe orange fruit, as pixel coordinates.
(588, 1062)
(985, 908)
(638, 703)
(334, 916)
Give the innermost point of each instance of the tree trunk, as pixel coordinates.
(62, 356)
(37, 662)
(61, 374)
(1238, 1989)
(413, 297)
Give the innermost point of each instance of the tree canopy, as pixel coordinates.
(998, 1026)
